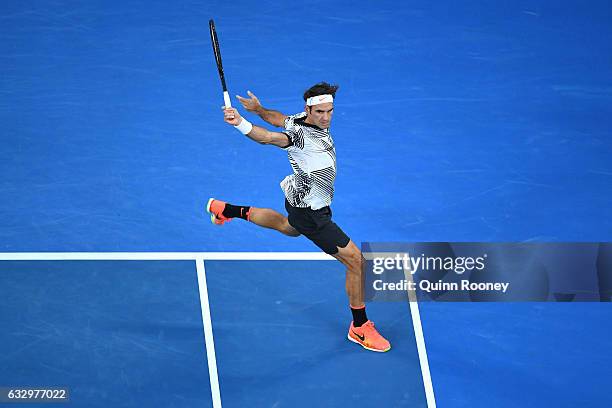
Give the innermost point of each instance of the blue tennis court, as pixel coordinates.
(116, 333)
(454, 122)
(130, 333)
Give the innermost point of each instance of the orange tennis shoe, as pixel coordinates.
(215, 209)
(368, 337)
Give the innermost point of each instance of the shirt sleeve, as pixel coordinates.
(294, 132)
(290, 120)
(296, 137)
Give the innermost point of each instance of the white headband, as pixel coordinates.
(316, 100)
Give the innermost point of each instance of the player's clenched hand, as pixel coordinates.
(252, 104)
(231, 116)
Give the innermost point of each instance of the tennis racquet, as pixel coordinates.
(215, 44)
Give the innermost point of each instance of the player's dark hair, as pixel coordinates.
(322, 88)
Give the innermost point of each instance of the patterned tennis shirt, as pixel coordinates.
(313, 159)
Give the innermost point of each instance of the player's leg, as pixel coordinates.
(361, 330)
(268, 218)
(318, 227)
(222, 212)
(352, 258)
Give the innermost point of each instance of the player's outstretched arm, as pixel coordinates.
(256, 133)
(252, 104)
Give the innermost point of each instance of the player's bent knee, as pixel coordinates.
(288, 230)
(292, 233)
(355, 263)
(351, 255)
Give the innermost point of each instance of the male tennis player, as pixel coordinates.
(308, 193)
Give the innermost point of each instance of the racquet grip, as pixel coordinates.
(226, 98)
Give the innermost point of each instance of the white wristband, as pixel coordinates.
(244, 126)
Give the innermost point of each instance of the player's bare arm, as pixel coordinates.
(252, 104)
(257, 133)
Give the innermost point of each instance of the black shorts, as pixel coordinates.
(317, 226)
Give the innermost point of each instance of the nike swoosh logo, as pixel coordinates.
(362, 338)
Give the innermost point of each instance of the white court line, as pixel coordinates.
(420, 342)
(165, 256)
(208, 334)
(417, 327)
